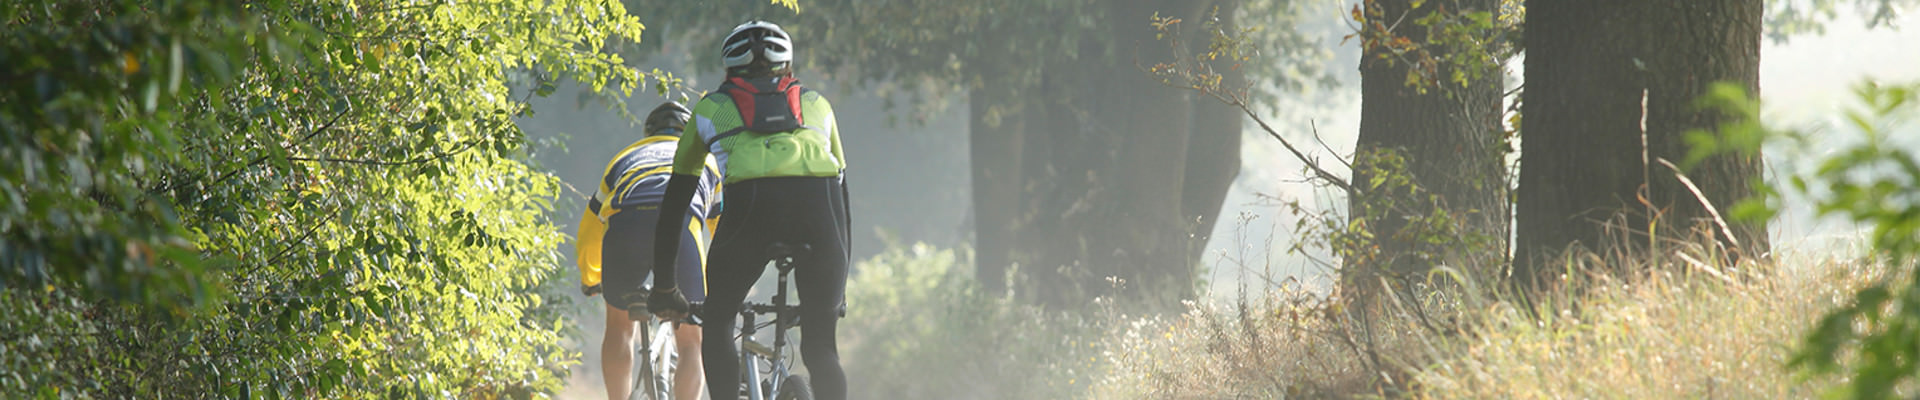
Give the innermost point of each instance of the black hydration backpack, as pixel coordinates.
(766, 105)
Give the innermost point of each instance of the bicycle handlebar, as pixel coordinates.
(769, 309)
(637, 311)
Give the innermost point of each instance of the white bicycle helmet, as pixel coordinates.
(756, 39)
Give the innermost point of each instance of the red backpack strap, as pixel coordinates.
(792, 87)
(742, 93)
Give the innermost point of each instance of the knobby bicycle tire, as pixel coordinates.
(796, 388)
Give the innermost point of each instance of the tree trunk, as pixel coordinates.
(995, 135)
(1213, 151)
(1589, 68)
(1057, 187)
(1105, 180)
(1112, 198)
(1149, 124)
(1449, 138)
(1724, 46)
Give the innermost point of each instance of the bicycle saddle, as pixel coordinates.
(782, 251)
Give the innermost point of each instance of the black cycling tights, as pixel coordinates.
(758, 213)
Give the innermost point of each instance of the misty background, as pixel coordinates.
(910, 180)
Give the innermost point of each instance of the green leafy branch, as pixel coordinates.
(1438, 44)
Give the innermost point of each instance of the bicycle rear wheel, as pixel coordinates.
(795, 388)
(752, 382)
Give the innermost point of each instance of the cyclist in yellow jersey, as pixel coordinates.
(618, 228)
(779, 151)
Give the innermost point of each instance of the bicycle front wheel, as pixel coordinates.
(654, 362)
(665, 360)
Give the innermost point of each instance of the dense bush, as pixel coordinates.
(919, 327)
(320, 199)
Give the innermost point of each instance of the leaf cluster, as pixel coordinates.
(1875, 182)
(1788, 18)
(1441, 42)
(284, 199)
(931, 51)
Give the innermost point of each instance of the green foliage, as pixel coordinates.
(1441, 45)
(1201, 69)
(1412, 232)
(933, 50)
(88, 111)
(1875, 182)
(1740, 132)
(284, 199)
(918, 326)
(1873, 179)
(1787, 18)
(1395, 230)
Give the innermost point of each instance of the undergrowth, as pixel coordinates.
(1666, 334)
(919, 328)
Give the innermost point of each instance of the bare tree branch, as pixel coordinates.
(1718, 221)
(256, 161)
(1324, 146)
(385, 163)
(1322, 173)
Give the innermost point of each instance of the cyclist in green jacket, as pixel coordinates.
(779, 153)
(617, 228)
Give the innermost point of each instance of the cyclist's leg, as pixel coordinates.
(625, 255)
(616, 353)
(734, 262)
(730, 274)
(822, 284)
(687, 379)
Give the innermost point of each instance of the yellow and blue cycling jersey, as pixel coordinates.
(636, 179)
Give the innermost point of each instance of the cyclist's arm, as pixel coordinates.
(586, 244)
(673, 208)
(688, 162)
(846, 201)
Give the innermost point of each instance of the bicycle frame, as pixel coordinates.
(785, 317)
(652, 377)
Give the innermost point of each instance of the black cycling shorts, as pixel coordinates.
(627, 252)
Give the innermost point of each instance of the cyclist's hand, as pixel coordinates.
(667, 303)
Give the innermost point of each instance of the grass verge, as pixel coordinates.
(919, 329)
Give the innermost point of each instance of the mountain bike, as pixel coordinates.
(769, 369)
(655, 358)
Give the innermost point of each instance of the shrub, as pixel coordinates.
(919, 327)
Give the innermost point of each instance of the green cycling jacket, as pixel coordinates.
(811, 151)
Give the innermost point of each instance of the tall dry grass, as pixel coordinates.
(920, 330)
(1668, 334)
(1282, 344)
(1684, 330)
